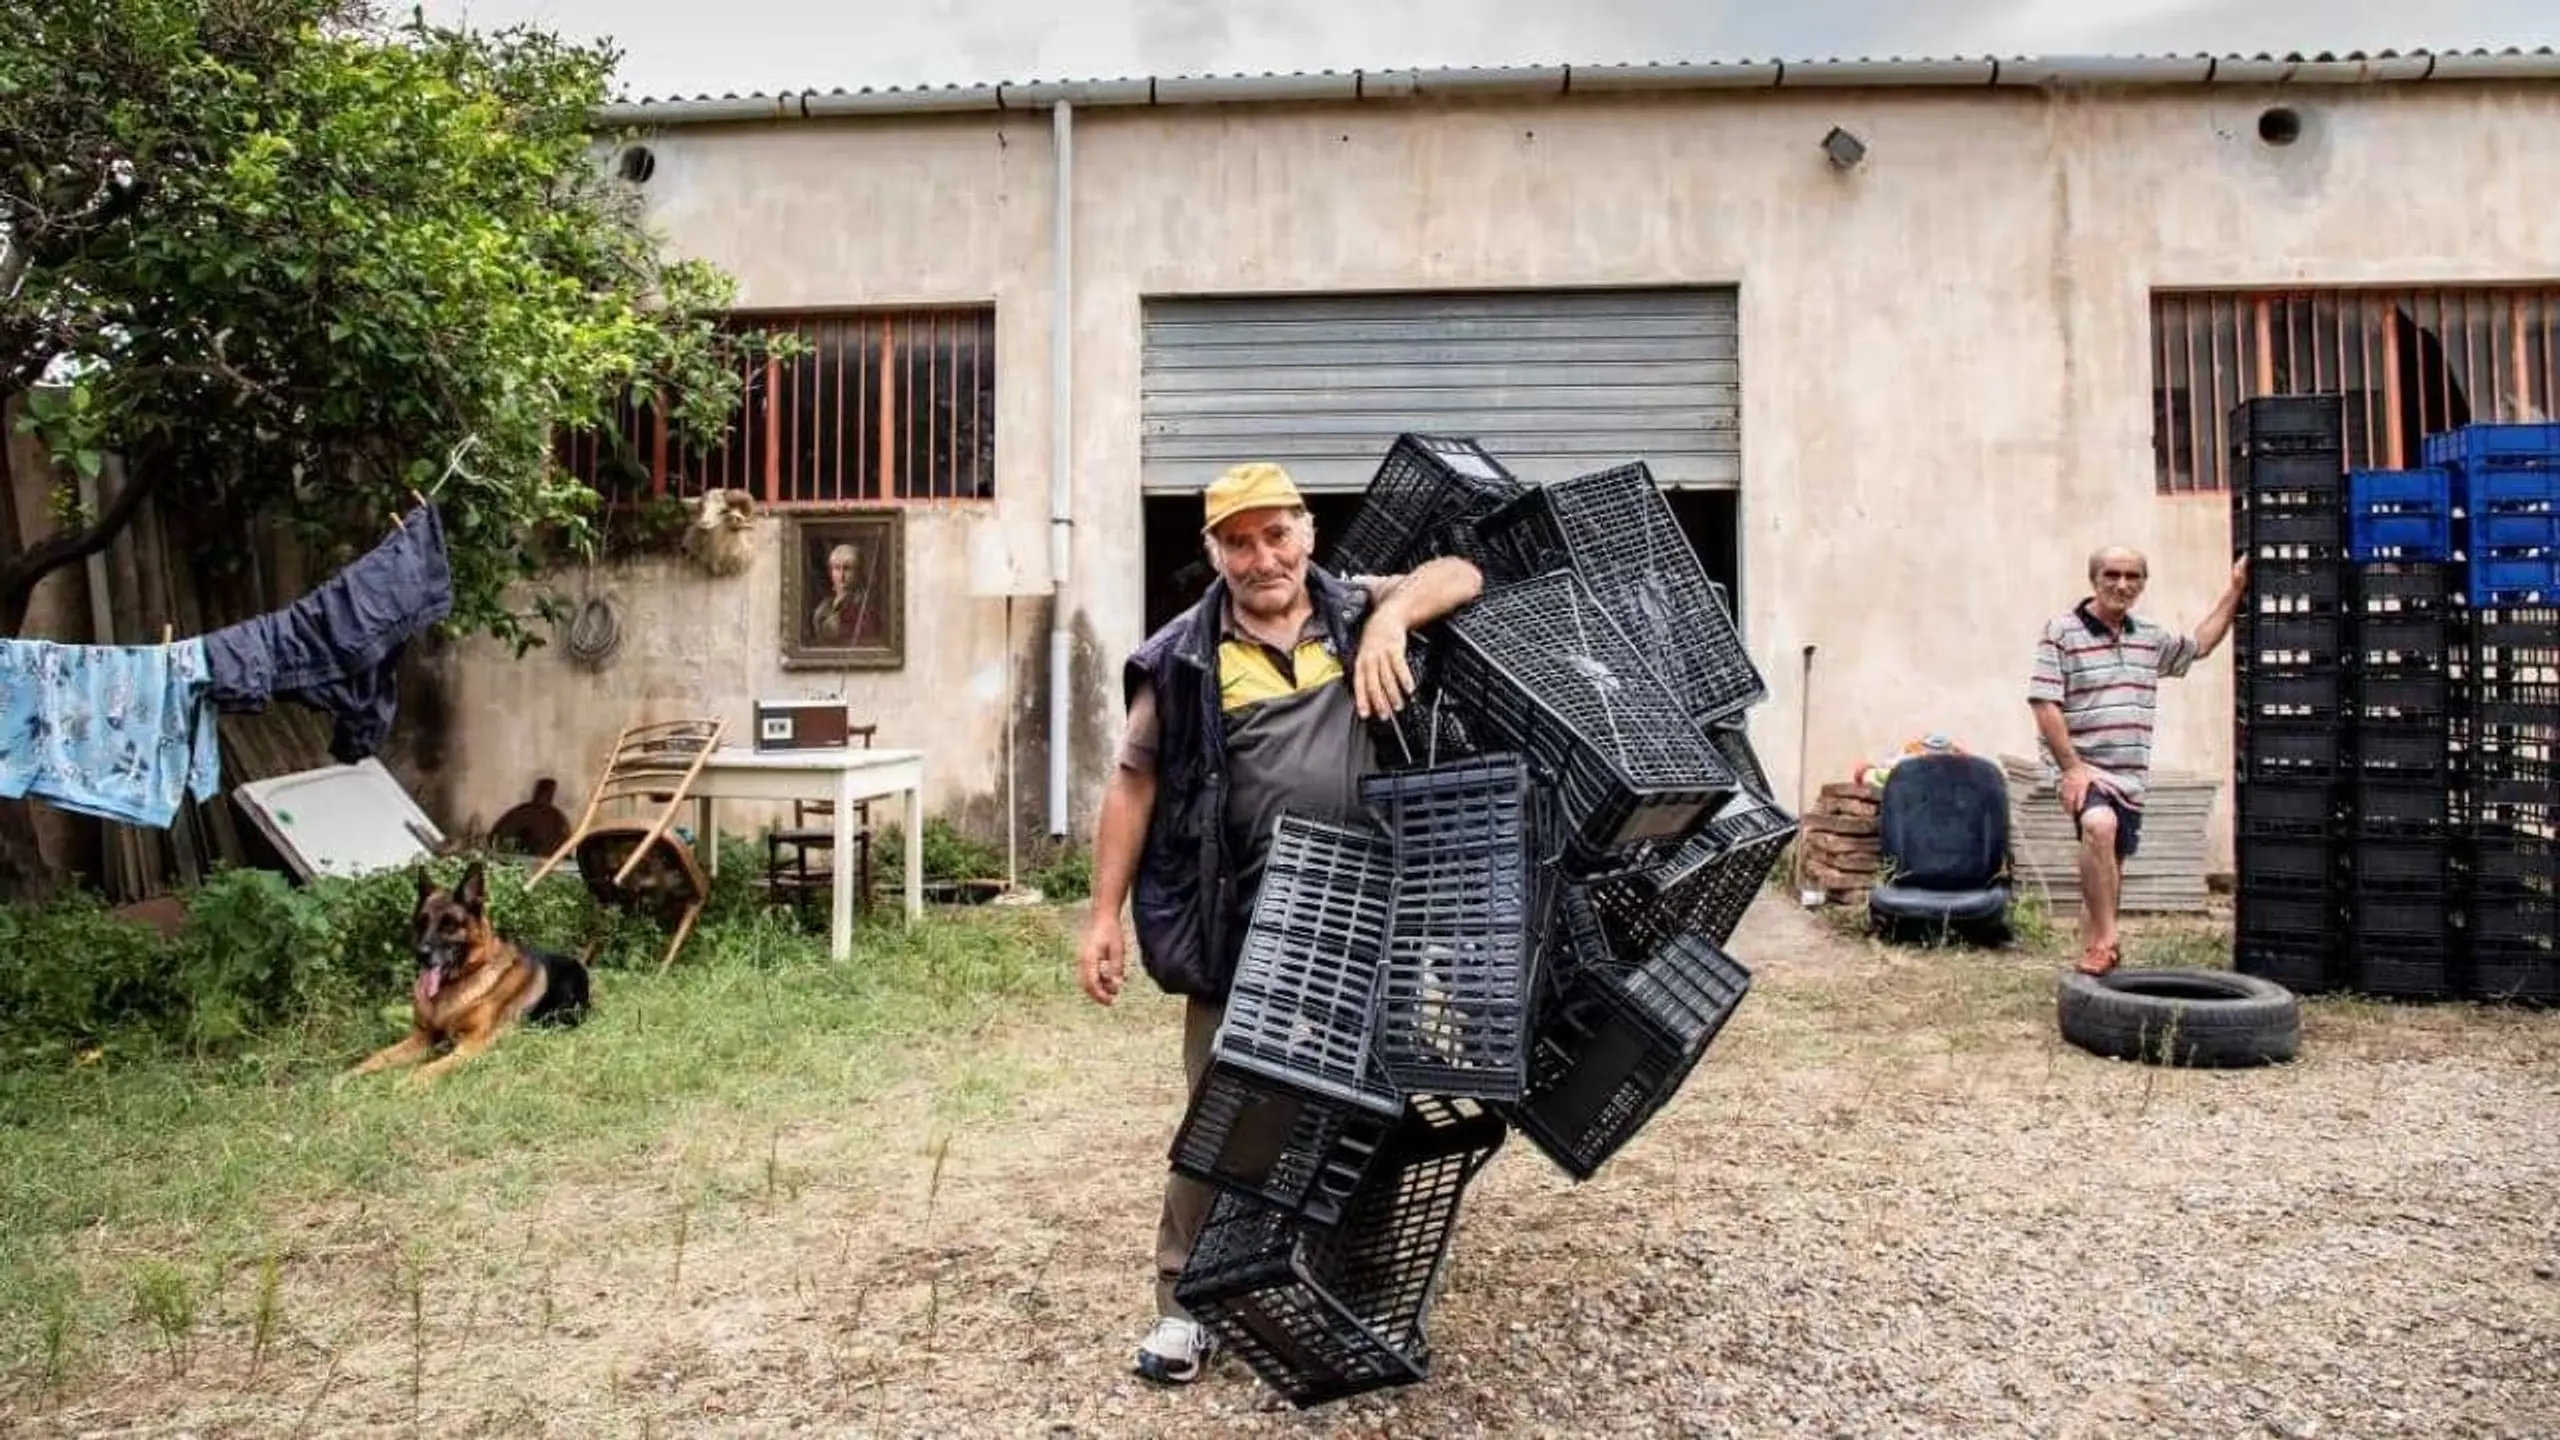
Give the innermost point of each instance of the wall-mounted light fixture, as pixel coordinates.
(1845, 149)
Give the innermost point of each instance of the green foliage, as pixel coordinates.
(949, 855)
(294, 264)
(259, 956)
(1067, 876)
(70, 974)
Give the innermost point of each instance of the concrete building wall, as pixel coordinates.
(1945, 353)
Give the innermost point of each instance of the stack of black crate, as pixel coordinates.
(1523, 928)
(2404, 634)
(2296, 759)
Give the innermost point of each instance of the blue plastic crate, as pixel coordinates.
(2384, 539)
(2428, 491)
(2498, 582)
(2505, 535)
(2503, 492)
(2513, 446)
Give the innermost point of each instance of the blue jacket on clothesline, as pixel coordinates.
(338, 648)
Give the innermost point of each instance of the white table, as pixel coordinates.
(844, 777)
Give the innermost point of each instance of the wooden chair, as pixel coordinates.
(789, 877)
(632, 859)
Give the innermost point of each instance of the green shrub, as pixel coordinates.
(71, 974)
(949, 855)
(1067, 876)
(259, 954)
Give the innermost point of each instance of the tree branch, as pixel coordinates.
(21, 573)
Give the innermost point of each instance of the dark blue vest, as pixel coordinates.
(1184, 902)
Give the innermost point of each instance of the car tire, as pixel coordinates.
(2197, 1019)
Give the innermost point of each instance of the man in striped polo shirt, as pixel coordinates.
(2094, 692)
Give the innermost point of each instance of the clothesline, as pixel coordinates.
(122, 731)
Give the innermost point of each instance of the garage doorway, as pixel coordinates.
(1178, 570)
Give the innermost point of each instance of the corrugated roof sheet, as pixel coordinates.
(1958, 70)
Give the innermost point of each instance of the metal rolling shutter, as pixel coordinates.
(1555, 383)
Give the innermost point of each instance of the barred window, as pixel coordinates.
(2408, 363)
(896, 405)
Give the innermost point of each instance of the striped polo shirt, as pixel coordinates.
(2108, 685)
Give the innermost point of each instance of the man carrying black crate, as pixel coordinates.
(2094, 692)
(1238, 709)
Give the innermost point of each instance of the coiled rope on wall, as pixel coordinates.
(595, 632)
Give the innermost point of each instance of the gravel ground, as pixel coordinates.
(1890, 1204)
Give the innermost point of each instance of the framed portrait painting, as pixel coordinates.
(844, 590)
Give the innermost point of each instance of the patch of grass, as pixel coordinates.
(200, 1162)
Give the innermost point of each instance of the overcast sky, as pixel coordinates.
(689, 47)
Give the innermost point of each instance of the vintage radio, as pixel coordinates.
(801, 725)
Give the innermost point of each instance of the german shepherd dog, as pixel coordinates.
(474, 983)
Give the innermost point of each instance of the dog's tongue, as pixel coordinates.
(429, 982)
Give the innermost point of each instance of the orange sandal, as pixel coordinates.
(2098, 958)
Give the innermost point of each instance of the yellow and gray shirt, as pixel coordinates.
(1294, 738)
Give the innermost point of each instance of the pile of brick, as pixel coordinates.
(1840, 843)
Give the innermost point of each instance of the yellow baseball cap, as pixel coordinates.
(1257, 485)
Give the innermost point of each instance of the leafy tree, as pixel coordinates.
(284, 259)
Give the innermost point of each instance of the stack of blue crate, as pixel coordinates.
(2505, 480)
(2455, 719)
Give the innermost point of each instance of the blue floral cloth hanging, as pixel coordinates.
(120, 732)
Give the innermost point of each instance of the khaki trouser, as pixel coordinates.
(1186, 1201)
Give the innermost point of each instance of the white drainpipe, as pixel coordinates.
(1061, 451)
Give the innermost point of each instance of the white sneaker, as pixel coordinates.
(1175, 1351)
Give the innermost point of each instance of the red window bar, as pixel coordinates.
(2410, 362)
(896, 406)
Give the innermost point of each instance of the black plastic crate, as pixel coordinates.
(1302, 1005)
(1703, 888)
(1457, 992)
(2281, 587)
(2302, 532)
(2404, 865)
(2305, 962)
(2512, 919)
(1538, 669)
(2515, 706)
(2401, 917)
(2290, 803)
(2402, 697)
(1625, 1035)
(2274, 697)
(2393, 968)
(2404, 642)
(2401, 805)
(1615, 531)
(2404, 588)
(1423, 502)
(2504, 862)
(2286, 860)
(2288, 424)
(1731, 742)
(1266, 1137)
(2411, 752)
(2277, 519)
(1325, 1314)
(2289, 909)
(2519, 973)
(2280, 752)
(2292, 641)
(2534, 632)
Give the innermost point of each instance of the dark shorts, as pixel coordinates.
(2128, 819)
